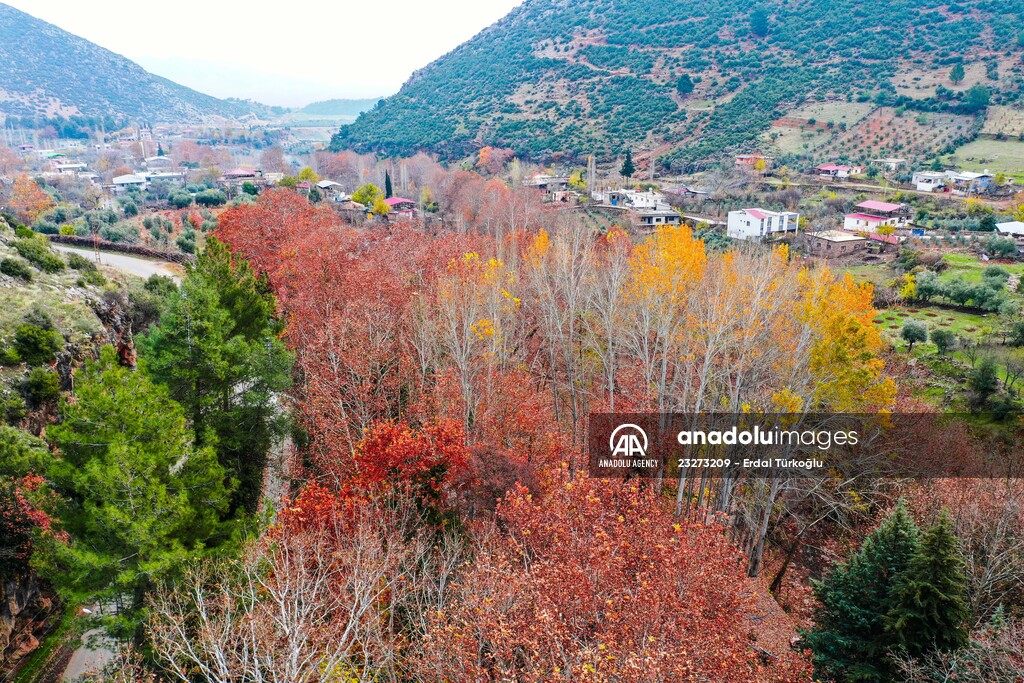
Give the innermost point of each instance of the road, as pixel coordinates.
(133, 265)
(86, 659)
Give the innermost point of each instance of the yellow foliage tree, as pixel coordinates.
(849, 375)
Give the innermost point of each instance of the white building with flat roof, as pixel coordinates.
(757, 224)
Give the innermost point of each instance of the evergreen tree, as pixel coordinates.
(759, 22)
(929, 611)
(138, 499)
(388, 190)
(628, 169)
(684, 85)
(956, 74)
(216, 348)
(849, 640)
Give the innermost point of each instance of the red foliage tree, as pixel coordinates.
(595, 582)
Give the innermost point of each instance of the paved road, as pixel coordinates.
(133, 265)
(86, 659)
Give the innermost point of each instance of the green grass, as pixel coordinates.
(964, 325)
(998, 156)
(971, 268)
(879, 274)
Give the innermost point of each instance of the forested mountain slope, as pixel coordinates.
(689, 79)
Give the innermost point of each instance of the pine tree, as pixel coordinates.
(929, 610)
(849, 640)
(138, 499)
(216, 347)
(628, 169)
(388, 190)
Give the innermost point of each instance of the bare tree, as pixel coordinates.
(306, 606)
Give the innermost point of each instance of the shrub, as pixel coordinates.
(80, 263)
(211, 198)
(943, 339)
(8, 356)
(40, 387)
(36, 252)
(187, 241)
(35, 343)
(46, 227)
(16, 268)
(120, 232)
(180, 200)
(12, 407)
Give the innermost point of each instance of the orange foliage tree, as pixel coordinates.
(28, 200)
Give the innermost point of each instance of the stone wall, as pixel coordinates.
(133, 249)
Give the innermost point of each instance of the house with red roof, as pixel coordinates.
(401, 207)
(758, 224)
(864, 222)
(875, 214)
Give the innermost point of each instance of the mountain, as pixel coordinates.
(690, 80)
(339, 107)
(49, 72)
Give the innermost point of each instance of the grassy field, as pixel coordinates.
(977, 328)
(998, 156)
(965, 325)
(970, 268)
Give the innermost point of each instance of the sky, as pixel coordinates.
(290, 55)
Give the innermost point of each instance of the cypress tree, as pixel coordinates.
(388, 190)
(849, 642)
(929, 610)
(628, 169)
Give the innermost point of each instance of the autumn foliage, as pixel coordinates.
(594, 581)
(27, 200)
(457, 370)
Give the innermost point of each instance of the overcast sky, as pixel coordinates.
(290, 55)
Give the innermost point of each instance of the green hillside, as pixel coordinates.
(689, 80)
(49, 72)
(339, 107)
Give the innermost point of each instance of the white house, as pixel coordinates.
(159, 162)
(929, 181)
(654, 217)
(647, 200)
(123, 182)
(838, 170)
(756, 224)
(864, 222)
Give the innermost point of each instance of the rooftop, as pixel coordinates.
(867, 217)
(837, 236)
(1011, 228)
(873, 205)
